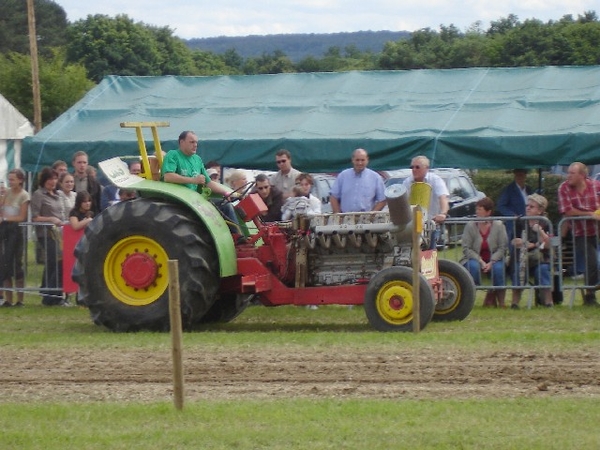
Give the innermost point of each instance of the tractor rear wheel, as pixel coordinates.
(458, 292)
(121, 266)
(389, 300)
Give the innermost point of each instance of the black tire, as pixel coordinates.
(226, 308)
(389, 300)
(144, 234)
(458, 295)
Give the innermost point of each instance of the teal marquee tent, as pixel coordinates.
(470, 118)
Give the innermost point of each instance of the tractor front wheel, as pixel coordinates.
(389, 300)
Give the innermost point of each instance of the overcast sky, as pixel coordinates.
(203, 18)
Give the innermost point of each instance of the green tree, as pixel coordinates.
(175, 58)
(61, 84)
(583, 42)
(504, 25)
(207, 63)
(424, 50)
(469, 51)
(269, 63)
(233, 59)
(114, 46)
(50, 20)
(336, 61)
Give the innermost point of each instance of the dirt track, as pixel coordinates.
(142, 375)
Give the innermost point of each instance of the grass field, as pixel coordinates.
(292, 378)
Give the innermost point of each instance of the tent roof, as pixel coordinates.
(13, 124)
(470, 118)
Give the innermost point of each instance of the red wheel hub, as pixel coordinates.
(139, 270)
(396, 302)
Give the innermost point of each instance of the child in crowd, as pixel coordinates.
(82, 213)
(297, 204)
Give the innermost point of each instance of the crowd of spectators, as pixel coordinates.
(60, 198)
(494, 248)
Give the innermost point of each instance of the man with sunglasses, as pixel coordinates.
(272, 197)
(438, 203)
(285, 178)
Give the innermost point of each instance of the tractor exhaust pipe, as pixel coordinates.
(399, 205)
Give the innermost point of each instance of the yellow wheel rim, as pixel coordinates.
(452, 292)
(135, 270)
(394, 302)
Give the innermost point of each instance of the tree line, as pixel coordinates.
(73, 57)
(297, 46)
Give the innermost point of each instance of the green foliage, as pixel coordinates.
(335, 60)
(276, 62)
(68, 83)
(105, 45)
(493, 181)
(507, 43)
(175, 58)
(296, 46)
(210, 64)
(50, 26)
(114, 46)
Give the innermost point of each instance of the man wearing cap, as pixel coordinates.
(213, 174)
(577, 197)
(216, 166)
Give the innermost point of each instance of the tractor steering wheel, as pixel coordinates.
(239, 193)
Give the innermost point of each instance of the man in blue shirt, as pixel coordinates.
(359, 188)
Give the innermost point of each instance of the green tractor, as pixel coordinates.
(344, 259)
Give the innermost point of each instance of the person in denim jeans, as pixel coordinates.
(537, 243)
(484, 245)
(578, 197)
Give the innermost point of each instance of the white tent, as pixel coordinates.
(14, 127)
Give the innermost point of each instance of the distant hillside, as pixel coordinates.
(297, 46)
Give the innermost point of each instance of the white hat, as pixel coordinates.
(212, 172)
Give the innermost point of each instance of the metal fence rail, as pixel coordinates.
(47, 259)
(570, 257)
(38, 253)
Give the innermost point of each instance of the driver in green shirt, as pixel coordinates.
(184, 166)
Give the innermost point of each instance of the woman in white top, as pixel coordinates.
(14, 204)
(66, 184)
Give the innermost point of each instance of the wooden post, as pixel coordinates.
(416, 265)
(176, 332)
(35, 71)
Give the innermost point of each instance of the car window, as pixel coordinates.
(454, 187)
(467, 188)
(321, 188)
(394, 180)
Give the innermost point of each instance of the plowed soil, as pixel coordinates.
(146, 376)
